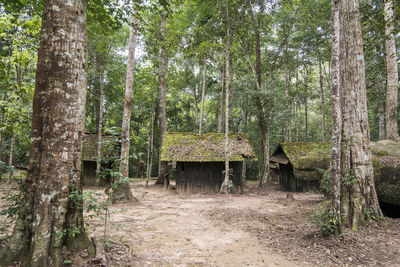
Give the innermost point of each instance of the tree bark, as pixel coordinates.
(203, 94)
(196, 108)
(99, 117)
(322, 95)
(335, 165)
(358, 198)
(221, 97)
(11, 156)
(381, 111)
(150, 150)
(162, 100)
(306, 119)
(392, 75)
(122, 190)
(224, 186)
(48, 213)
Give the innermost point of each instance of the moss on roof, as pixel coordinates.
(110, 145)
(192, 147)
(308, 155)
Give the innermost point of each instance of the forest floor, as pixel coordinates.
(262, 227)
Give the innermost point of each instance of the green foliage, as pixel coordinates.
(15, 201)
(348, 179)
(325, 219)
(324, 183)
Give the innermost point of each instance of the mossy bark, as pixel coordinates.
(48, 213)
(352, 180)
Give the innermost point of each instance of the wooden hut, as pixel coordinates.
(299, 163)
(200, 160)
(299, 166)
(111, 150)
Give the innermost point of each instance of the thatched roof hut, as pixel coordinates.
(199, 159)
(111, 149)
(300, 165)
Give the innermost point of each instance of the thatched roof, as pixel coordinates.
(307, 158)
(110, 145)
(192, 147)
(303, 155)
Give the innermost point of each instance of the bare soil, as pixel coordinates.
(262, 227)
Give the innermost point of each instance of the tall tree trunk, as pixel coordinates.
(196, 108)
(224, 186)
(297, 107)
(99, 117)
(322, 95)
(162, 102)
(203, 94)
(123, 190)
(335, 165)
(47, 208)
(392, 132)
(221, 97)
(10, 159)
(357, 188)
(150, 150)
(306, 119)
(381, 111)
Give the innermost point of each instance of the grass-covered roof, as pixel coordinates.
(308, 155)
(192, 147)
(110, 145)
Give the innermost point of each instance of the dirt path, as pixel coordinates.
(168, 229)
(267, 227)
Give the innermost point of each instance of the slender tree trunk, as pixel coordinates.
(322, 95)
(306, 119)
(392, 132)
(203, 94)
(297, 108)
(224, 186)
(47, 208)
(162, 106)
(150, 150)
(99, 118)
(123, 190)
(11, 157)
(335, 165)
(357, 188)
(381, 111)
(196, 108)
(221, 98)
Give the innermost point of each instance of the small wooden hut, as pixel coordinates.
(200, 160)
(299, 163)
(299, 166)
(111, 150)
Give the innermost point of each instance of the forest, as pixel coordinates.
(199, 132)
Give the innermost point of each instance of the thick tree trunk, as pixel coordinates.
(224, 186)
(357, 188)
(221, 98)
(122, 190)
(162, 102)
(392, 132)
(56, 143)
(99, 117)
(322, 95)
(203, 94)
(11, 156)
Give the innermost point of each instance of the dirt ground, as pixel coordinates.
(259, 228)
